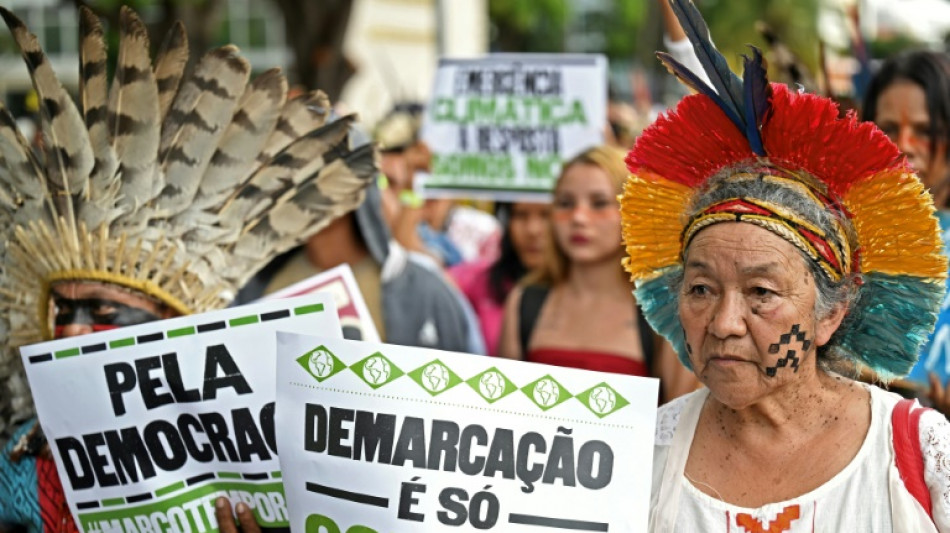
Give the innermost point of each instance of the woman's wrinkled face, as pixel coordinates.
(747, 306)
(81, 307)
(528, 231)
(902, 114)
(586, 214)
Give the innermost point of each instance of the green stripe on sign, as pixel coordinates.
(192, 498)
(169, 489)
(112, 502)
(181, 332)
(67, 353)
(122, 342)
(275, 475)
(229, 475)
(307, 309)
(243, 321)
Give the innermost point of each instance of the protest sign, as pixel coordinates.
(500, 126)
(351, 308)
(149, 424)
(383, 438)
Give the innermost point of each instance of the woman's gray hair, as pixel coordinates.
(829, 294)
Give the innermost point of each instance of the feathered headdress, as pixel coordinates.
(845, 166)
(179, 188)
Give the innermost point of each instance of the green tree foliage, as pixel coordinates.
(528, 25)
(732, 24)
(541, 25)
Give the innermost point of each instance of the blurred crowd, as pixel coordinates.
(543, 281)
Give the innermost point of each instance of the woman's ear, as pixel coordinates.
(828, 325)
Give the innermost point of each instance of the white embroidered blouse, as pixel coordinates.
(866, 496)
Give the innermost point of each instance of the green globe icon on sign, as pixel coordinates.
(320, 363)
(491, 385)
(546, 393)
(602, 400)
(376, 371)
(435, 377)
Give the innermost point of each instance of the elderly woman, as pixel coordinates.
(779, 248)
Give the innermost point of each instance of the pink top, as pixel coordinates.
(588, 360)
(472, 279)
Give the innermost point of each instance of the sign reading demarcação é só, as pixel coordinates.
(378, 438)
(501, 126)
(150, 424)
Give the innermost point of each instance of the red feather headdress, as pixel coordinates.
(849, 166)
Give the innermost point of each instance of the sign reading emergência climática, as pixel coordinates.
(149, 424)
(501, 126)
(382, 438)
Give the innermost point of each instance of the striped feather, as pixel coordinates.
(299, 161)
(726, 83)
(233, 161)
(337, 189)
(22, 175)
(93, 93)
(133, 113)
(69, 154)
(300, 116)
(198, 118)
(170, 65)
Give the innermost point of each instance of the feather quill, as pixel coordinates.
(22, 174)
(196, 121)
(337, 189)
(170, 65)
(69, 155)
(93, 95)
(757, 98)
(233, 161)
(726, 83)
(133, 113)
(694, 82)
(301, 115)
(286, 170)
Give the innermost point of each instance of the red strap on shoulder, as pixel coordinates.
(905, 422)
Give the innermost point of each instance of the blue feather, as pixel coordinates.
(726, 83)
(886, 328)
(658, 299)
(696, 83)
(757, 98)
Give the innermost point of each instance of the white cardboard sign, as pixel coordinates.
(350, 305)
(383, 438)
(501, 126)
(149, 424)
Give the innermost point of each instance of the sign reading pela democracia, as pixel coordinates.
(500, 126)
(382, 438)
(150, 424)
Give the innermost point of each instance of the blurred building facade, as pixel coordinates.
(394, 45)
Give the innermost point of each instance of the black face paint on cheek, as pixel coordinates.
(790, 359)
(689, 349)
(89, 311)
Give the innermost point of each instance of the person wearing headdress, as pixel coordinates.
(156, 197)
(779, 248)
(908, 97)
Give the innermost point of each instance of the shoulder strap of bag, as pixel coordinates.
(905, 422)
(532, 298)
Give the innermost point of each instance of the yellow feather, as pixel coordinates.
(893, 236)
(651, 210)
